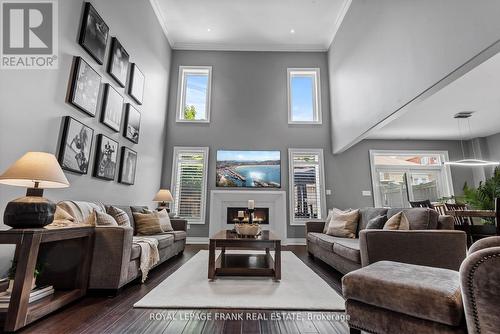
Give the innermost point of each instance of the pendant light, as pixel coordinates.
(473, 162)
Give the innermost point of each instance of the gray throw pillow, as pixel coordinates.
(140, 209)
(376, 223)
(119, 215)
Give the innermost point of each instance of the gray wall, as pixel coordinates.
(33, 103)
(492, 149)
(493, 146)
(249, 111)
(388, 52)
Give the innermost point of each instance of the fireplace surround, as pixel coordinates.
(274, 200)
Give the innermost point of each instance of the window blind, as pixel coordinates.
(190, 184)
(306, 180)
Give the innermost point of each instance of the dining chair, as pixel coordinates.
(422, 204)
(461, 223)
(440, 208)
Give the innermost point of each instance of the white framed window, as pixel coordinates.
(307, 185)
(400, 177)
(189, 183)
(304, 96)
(193, 94)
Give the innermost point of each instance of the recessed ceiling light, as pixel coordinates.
(292, 31)
(209, 30)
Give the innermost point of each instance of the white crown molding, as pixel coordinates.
(340, 18)
(249, 47)
(161, 20)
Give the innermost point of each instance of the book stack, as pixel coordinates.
(36, 294)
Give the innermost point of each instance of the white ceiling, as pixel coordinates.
(478, 91)
(251, 25)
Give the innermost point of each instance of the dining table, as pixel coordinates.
(475, 214)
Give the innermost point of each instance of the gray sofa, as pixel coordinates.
(116, 260)
(429, 234)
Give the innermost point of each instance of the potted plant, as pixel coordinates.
(12, 275)
(483, 198)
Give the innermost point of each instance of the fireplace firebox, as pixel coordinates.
(260, 215)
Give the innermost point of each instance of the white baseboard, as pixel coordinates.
(204, 241)
(197, 240)
(295, 241)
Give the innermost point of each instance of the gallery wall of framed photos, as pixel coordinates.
(106, 85)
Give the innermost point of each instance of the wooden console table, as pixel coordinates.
(67, 253)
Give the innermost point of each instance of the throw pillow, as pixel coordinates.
(397, 222)
(165, 223)
(330, 216)
(328, 220)
(140, 209)
(103, 219)
(119, 215)
(149, 223)
(376, 223)
(344, 224)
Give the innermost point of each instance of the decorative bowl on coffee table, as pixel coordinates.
(247, 229)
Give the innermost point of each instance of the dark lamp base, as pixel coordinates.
(29, 212)
(161, 207)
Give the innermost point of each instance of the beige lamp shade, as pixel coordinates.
(163, 195)
(35, 167)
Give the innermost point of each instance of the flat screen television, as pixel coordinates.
(249, 169)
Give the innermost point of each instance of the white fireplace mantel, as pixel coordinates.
(220, 200)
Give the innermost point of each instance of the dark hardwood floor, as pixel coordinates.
(101, 314)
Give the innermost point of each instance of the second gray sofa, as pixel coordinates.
(429, 234)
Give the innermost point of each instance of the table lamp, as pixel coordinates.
(163, 197)
(36, 171)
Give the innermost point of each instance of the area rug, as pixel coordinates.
(299, 289)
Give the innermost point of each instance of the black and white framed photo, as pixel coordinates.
(127, 166)
(94, 33)
(85, 86)
(118, 62)
(136, 86)
(112, 108)
(105, 158)
(132, 124)
(75, 146)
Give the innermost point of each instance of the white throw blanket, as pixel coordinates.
(149, 254)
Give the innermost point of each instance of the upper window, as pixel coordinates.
(304, 102)
(194, 94)
(307, 195)
(189, 183)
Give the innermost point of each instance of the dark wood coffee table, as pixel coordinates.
(244, 264)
